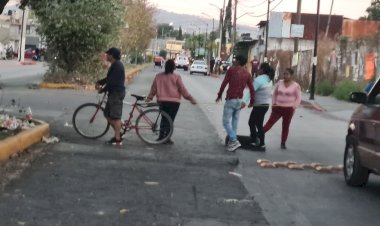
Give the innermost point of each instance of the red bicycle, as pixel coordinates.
(152, 125)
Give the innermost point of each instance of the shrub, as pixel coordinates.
(325, 88)
(345, 87)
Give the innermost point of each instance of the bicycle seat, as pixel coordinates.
(138, 97)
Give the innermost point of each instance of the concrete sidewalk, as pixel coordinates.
(329, 106)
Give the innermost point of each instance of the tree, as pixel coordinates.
(163, 53)
(227, 22)
(179, 36)
(139, 29)
(374, 10)
(164, 30)
(76, 31)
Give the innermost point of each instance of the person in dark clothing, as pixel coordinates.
(263, 85)
(114, 85)
(212, 64)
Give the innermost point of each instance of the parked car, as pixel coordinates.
(362, 152)
(182, 62)
(199, 66)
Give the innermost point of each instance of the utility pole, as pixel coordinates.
(312, 84)
(266, 34)
(234, 35)
(221, 28)
(21, 52)
(298, 21)
(329, 19)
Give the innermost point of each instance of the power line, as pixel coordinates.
(253, 6)
(269, 10)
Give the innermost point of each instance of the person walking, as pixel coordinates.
(286, 98)
(263, 85)
(237, 78)
(114, 85)
(212, 64)
(168, 88)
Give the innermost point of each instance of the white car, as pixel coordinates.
(199, 66)
(182, 62)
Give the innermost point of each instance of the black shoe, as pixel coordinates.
(115, 142)
(260, 148)
(283, 146)
(169, 142)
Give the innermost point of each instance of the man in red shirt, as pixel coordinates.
(237, 78)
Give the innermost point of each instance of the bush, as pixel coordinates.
(325, 88)
(345, 87)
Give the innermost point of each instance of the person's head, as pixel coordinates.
(169, 66)
(240, 60)
(265, 68)
(113, 54)
(288, 74)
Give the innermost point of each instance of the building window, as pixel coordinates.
(28, 29)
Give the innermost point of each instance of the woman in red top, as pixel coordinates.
(168, 88)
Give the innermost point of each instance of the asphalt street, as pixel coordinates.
(83, 182)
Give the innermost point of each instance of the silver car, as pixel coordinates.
(199, 66)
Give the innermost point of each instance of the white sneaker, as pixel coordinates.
(233, 146)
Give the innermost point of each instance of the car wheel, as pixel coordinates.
(354, 173)
(205, 73)
(185, 68)
(191, 72)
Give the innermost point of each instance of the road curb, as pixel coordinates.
(129, 78)
(23, 140)
(28, 62)
(312, 105)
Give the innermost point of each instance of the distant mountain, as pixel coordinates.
(186, 21)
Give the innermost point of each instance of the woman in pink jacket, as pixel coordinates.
(168, 89)
(286, 98)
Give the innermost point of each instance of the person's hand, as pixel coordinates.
(250, 105)
(148, 100)
(193, 101)
(98, 86)
(242, 105)
(218, 99)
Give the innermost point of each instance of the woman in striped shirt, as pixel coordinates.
(286, 98)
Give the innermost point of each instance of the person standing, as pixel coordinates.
(237, 78)
(286, 98)
(114, 85)
(168, 87)
(263, 85)
(212, 64)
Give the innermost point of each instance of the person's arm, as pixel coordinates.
(298, 96)
(251, 91)
(275, 92)
(223, 86)
(183, 91)
(153, 90)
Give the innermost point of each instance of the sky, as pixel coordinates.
(256, 9)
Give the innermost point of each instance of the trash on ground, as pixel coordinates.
(124, 211)
(68, 125)
(235, 174)
(151, 183)
(50, 140)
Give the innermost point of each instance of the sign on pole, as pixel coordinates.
(297, 30)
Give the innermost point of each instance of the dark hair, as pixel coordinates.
(114, 52)
(242, 60)
(265, 68)
(169, 66)
(271, 74)
(291, 71)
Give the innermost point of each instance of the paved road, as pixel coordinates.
(117, 177)
(297, 197)
(83, 182)
(12, 73)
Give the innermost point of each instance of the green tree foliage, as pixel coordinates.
(139, 29)
(163, 54)
(164, 30)
(76, 31)
(374, 10)
(180, 36)
(227, 22)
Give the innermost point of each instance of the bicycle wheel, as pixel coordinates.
(154, 126)
(89, 121)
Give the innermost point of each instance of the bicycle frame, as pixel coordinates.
(100, 103)
(128, 125)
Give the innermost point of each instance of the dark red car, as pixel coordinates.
(362, 152)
